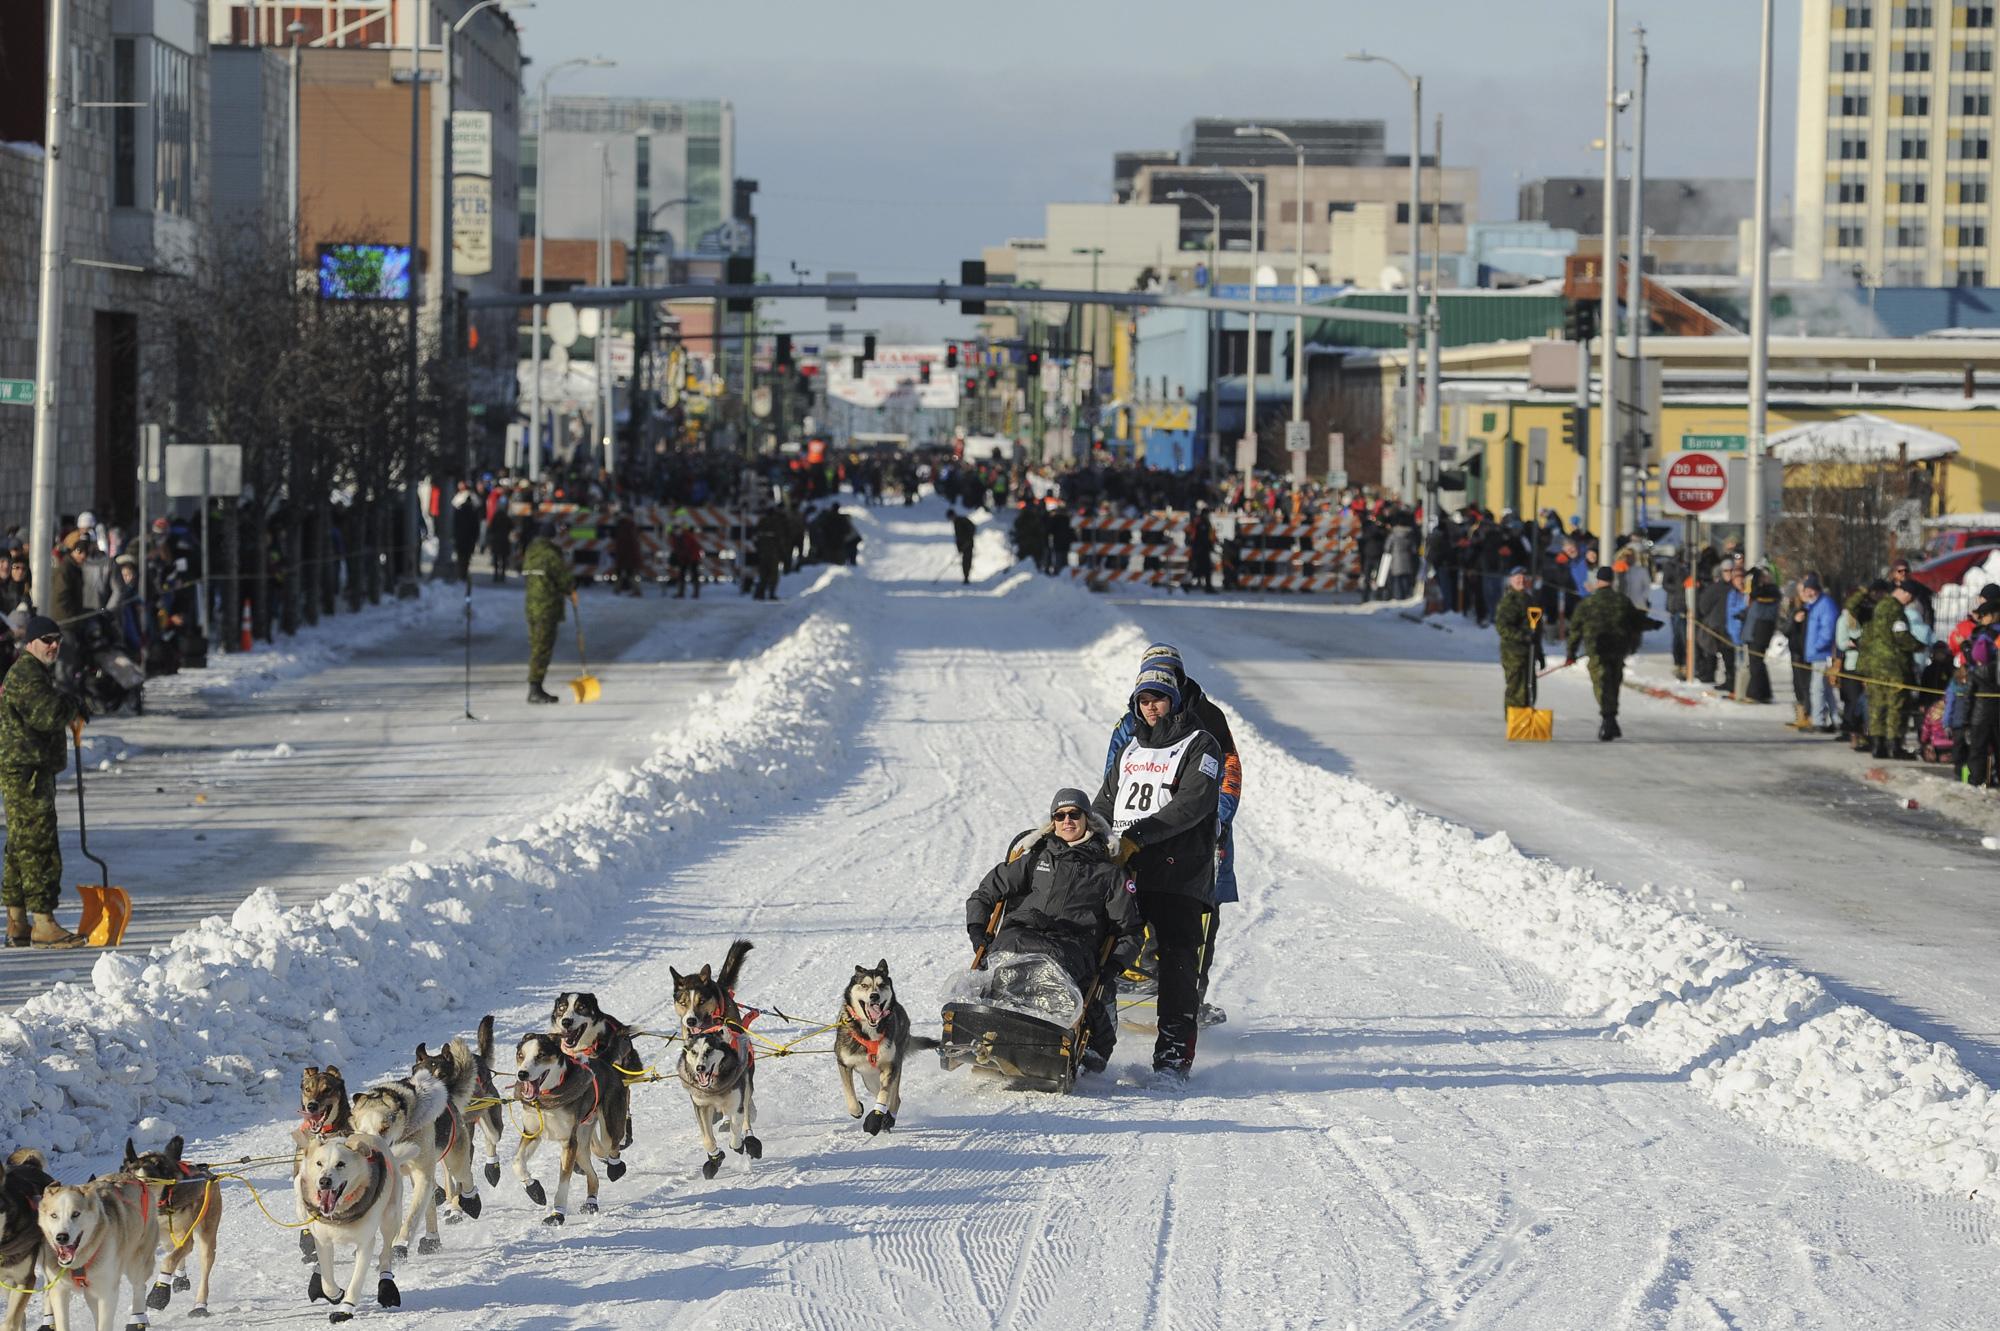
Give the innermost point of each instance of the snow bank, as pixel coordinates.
(1756, 1037)
(225, 1014)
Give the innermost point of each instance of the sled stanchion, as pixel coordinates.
(992, 929)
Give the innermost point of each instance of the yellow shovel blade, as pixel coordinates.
(92, 897)
(118, 912)
(106, 913)
(1531, 723)
(584, 688)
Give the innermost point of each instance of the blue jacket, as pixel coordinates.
(1821, 616)
(1582, 574)
(1738, 603)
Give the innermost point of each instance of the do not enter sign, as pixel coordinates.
(1695, 482)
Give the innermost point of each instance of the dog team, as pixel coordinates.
(368, 1166)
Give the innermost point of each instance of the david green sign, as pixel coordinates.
(21, 392)
(1714, 443)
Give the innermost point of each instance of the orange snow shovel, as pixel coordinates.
(106, 909)
(1532, 723)
(584, 688)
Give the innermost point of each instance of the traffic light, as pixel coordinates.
(972, 273)
(1034, 362)
(992, 374)
(923, 372)
(783, 355)
(868, 347)
(860, 368)
(1576, 428)
(971, 385)
(951, 355)
(1579, 321)
(740, 270)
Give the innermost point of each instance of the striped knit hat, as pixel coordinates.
(1158, 679)
(1164, 655)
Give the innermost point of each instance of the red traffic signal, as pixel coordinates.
(1034, 361)
(951, 355)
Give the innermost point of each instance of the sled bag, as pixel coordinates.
(1531, 723)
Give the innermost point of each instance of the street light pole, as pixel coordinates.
(1214, 244)
(1611, 472)
(1250, 360)
(541, 227)
(1635, 319)
(1410, 423)
(601, 344)
(1298, 266)
(1760, 305)
(49, 308)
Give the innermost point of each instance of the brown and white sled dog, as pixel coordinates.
(413, 1111)
(489, 1121)
(100, 1235)
(582, 1106)
(350, 1191)
(872, 1039)
(188, 1199)
(588, 1031)
(703, 1000)
(323, 1112)
(24, 1181)
(718, 1065)
(458, 1068)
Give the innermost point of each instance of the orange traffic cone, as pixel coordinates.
(246, 639)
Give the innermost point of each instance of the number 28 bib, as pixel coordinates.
(1146, 780)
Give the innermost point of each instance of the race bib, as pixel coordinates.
(1146, 780)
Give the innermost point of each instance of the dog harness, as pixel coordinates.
(79, 1276)
(596, 1095)
(874, 1046)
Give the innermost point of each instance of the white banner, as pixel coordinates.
(472, 143)
(472, 225)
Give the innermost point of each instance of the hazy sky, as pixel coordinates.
(894, 139)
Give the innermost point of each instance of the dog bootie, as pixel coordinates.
(553, 1218)
(710, 1165)
(308, 1250)
(343, 1313)
(314, 1290)
(614, 1170)
(535, 1193)
(401, 1251)
(492, 1173)
(589, 1206)
(753, 1148)
(181, 1283)
(386, 1292)
(878, 1120)
(469, 1203)
(158, 1295)
(428, 1244)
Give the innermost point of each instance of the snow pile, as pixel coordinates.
(436, 607)
(1756, 1037)
(228, 1011)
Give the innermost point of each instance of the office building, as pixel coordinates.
(1693, 224)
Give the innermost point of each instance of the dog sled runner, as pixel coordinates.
(1021, 1018)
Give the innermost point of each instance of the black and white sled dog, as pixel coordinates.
(490, 1119)
(350, 1191)
(582, 1105)
(458, 1067)
(588, 1031)
(416, 1111)
(25, 1179)
(100, 1235)
(872, 1038)
(703, 1000)
(718, 1066)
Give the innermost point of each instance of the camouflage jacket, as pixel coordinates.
(33, 717)
(1605, 624)
(548, 580)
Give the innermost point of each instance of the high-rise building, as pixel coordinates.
(1692, 223)
(1895, 142)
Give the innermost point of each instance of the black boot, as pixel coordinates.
(1605, 731)
(1881, 748)
(538, 694)
(1617, 731)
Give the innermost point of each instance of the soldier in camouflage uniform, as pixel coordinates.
(548, 577)
(1520, 640)
(1888, 655)
(1606, 625)
(34, 715)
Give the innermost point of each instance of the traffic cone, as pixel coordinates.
(246, 639)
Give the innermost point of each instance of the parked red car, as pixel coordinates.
(1954, 549)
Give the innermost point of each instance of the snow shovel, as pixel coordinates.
(106, 909)
(584, 688)
(1532, 723)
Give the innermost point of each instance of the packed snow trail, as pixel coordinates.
(1400, 1126)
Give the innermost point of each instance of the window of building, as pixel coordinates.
(1848, 58)
(1840, 148)
(1903, 235)
(1912, 191)
(124, 124)
(1856, 16)
(1846, 236)
(1847, 191)
(1971, 277)
(1966, 235)
(1911, 16)
(1971, 148)
(173, 130)
(1452, 214)
(1967, 191)
(1916, 59)
(1847, 104)
(1972, 102)
(1977, 16)
(1973, 59)
(1911, 104)
(1909, 147)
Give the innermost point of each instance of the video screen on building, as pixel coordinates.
(361, 271)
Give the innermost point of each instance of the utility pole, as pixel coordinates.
(49, 311)
(1607, 317)
(414, 549)
(1760, 306)
(1635, 317)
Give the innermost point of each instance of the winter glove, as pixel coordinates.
(977, 933)
(1127, 848)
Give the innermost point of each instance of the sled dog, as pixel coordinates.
(490, 1120)
(100, 1236)
(323, 1112)
(414, 1111)
(872, 1038)
(21, 1188)
(588, 1031)
(188, 1199)
(350, 1190)
(458, 1068)
(703, 1000)
(718, 1066)
(580, 1105)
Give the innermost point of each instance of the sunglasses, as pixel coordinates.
(1067, 816)
(52, 639)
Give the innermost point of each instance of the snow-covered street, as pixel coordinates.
(1457, 1086)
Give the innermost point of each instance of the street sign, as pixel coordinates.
(1298, 436)
(21, 392)
(1714, 443)
(1336, 480)
(1693, 483)
(184, 470)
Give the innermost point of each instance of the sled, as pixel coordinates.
(1532, 723)
(584, 688)
(1031, 1053)
(106, 909)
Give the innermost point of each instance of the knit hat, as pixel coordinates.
(39, 626)
(1879, 587)
(1811, 583)
(1160, 680)
(1164, 655)
(1518, 571)
(1069, 797)
(1604, 573)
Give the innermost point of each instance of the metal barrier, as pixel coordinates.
(1317, 555)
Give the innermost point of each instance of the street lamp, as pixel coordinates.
(541, 226)
(1416, 82)
(1095, 252)
(1214, 243)
(1250, 323)
(1298, 268)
